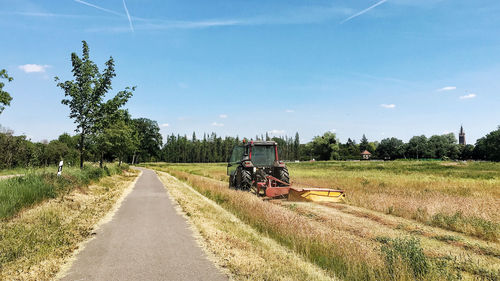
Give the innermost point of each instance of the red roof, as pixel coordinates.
(366, 152)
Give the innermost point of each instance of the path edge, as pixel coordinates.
(69, 261)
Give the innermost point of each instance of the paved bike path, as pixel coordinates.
(146, 240)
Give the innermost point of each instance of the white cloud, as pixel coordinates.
(223, 116)
(165, 125)
(215, 124)
(276, 132)
(388, 105)
(289, 111)
(469, 96)
(30, 68)
(447, 88)
(333, 130)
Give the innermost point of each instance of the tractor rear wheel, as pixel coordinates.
(243, 179)
(283, 175)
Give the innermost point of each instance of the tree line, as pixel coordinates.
(328, 147)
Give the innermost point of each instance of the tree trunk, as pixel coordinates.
(101, 160)
(82, 138)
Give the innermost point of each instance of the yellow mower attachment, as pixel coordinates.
(315, 195)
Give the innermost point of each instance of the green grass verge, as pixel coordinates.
(24, 191)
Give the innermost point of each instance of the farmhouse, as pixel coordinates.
(366, 155)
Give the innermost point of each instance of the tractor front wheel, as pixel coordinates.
(283, 175)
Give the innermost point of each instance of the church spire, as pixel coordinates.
(461, 136)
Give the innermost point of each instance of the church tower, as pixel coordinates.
(461, 136)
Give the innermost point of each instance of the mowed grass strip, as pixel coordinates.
(337, 252)
(38, 241)
(238, 248)
(24, 191)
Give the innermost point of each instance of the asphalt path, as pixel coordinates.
(146, 240)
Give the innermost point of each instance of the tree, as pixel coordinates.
(467, 152)
(5, 97)
(84, 95)
(417, 147)
(296, 146)
(326, 147)
(364, 144)
(150, 139)
(392, 148)
(488, 147)
(444, 146)
(121, 139)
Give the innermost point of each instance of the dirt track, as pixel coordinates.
(146, 240)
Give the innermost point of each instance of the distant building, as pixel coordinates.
(461, 136)
(366, 155)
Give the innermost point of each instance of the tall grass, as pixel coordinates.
(462, 197)
(24, 191)
(335, 251)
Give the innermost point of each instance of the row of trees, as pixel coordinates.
(136, 140)
(213, 148)
(328, 147)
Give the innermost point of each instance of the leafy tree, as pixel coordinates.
(150, 139)
(392, 148)
(84, 95)
(488, 147)
(444, 146)
(417, 147)
(467, 152)
(326, 147)
(5, 97)
(121, 139)
(109, 120)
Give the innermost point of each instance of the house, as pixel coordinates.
(366, 155)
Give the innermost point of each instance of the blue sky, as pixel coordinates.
(381, 68)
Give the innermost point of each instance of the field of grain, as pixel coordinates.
(402, 220)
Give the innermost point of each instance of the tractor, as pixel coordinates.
(255, 167)
(251, 162)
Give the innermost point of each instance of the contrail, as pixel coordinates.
(99, 8)
(128, 16)
(364, 11)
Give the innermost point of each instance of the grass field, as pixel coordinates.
(403, 220)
